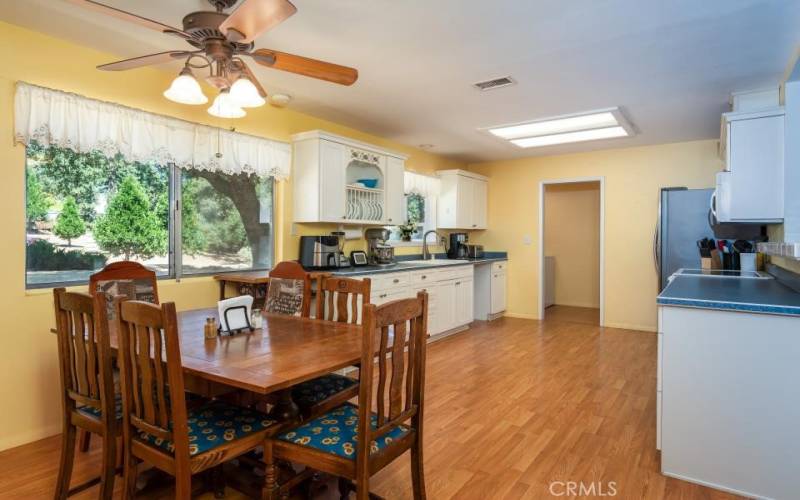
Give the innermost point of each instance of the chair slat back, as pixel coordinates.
(292, 270)
(84, 351)
(127, 278)
(399, 328)
(152, 375)
(338, 299)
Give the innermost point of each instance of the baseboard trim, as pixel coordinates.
(30, 437)
(575, 304)
(628, 326)
(447, 333)
(520, 315)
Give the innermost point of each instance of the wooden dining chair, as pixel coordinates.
(87, 385)
(127, 278)
(289, 290)
(342, 300)
(158, 428)
(351, 441)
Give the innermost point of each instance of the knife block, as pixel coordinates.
(713, 262)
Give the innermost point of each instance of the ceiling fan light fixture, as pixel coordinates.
(225, 107)
(185, 89)
(245, 94)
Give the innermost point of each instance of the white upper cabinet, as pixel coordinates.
(340, 180)
(751, 187)
(462, 201)
(395, 196)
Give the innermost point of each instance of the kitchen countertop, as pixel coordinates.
(766, 296)
(435, 263)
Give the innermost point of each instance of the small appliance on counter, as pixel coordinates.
(358, 258)
(319, 252)
(378, 252)
(474, 251)
(342, 260)
(458, 246)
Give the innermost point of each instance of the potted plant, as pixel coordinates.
(406, 230)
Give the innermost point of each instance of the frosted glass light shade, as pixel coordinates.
(224, 107)
(185, 89)
(245, 94)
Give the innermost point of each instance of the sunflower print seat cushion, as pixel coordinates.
(336, 433)
(98, 413)
(311, 392)
(214, 424)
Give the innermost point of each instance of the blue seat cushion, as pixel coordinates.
(98, 413)
(213, 424)
(307, 394)
(336, 433)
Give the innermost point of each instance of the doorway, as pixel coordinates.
(571, 236)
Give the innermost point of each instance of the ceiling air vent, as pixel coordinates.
(494, 84)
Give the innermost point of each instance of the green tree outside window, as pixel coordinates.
(69, 224)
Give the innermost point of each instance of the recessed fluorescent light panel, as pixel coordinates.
(601, 124)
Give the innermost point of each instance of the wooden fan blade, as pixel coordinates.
(306, 66)
(127, 16)
(254, 17)
(253, 79)
(137, 62)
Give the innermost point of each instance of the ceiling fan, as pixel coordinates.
(218, 41)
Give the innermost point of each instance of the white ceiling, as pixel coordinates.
(668, 64)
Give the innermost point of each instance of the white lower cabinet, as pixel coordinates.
(450, 294)
(464, 291)
(729, 400)
(489, 300)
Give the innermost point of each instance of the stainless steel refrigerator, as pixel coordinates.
(683, 219)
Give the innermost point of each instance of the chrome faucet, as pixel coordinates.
(426, 254)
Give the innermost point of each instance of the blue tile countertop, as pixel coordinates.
(401, 266)
(766, 296)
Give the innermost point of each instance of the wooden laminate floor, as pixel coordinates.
(512, 407)
(572, 314)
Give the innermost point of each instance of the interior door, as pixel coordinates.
(332, 181)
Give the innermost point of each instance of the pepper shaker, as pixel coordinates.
(210, 330)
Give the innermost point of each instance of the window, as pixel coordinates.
(420, 213)
(84, 210)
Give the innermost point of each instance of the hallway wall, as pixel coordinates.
(572, 237)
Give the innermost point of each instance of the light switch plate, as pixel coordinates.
(527, 239)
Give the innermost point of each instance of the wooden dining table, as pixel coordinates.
(283, 352)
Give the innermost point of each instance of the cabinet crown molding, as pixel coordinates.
(330, 136)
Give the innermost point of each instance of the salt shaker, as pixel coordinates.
(210, 330)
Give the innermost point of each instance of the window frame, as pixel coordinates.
(428, 224)
(174, 251)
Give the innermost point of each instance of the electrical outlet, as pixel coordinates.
(527, 239)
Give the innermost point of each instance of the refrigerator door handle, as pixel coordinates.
(656, 241)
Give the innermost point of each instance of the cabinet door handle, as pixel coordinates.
(395, 280)
(423, 277)
(390, 220)
(383, 296)
(474, 225)
(458, 282)
(344, 217)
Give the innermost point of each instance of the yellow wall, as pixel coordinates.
(633, 177)
(29, 379)
(572, 238)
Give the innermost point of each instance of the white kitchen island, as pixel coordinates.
(729, 385)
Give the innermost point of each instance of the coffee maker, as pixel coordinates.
(319, 252)
(458, 246)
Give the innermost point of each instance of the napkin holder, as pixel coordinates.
(234, 314)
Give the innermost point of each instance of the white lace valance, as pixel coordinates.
(52, 117)
(424, 185)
